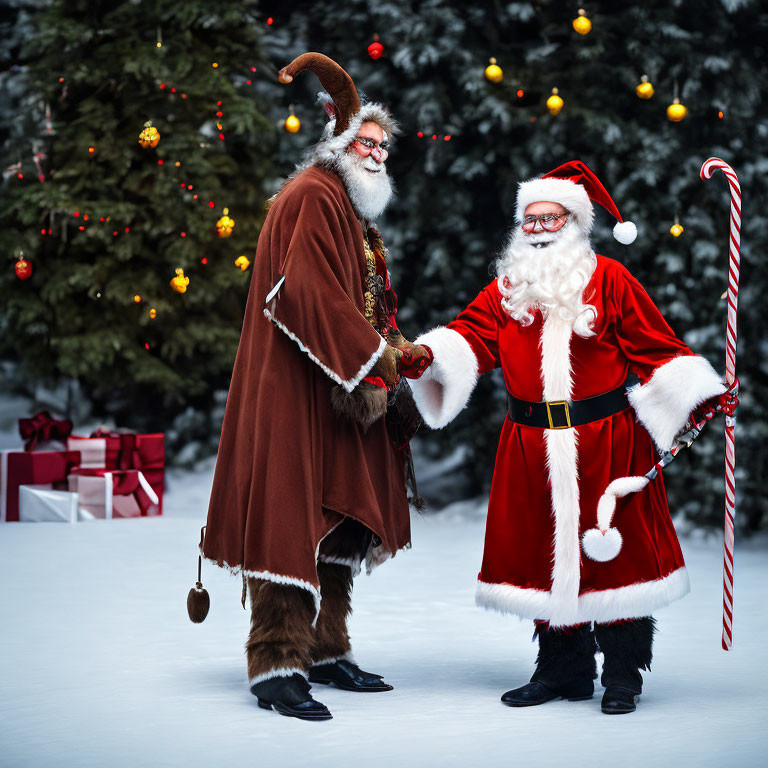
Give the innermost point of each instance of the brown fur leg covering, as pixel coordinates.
(281, 628)
(331, 639)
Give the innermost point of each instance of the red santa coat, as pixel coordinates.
(547, 482)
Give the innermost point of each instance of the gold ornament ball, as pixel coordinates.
(137, 298)
(676, 229)
(180, 282)
(493, 71)
(581, 23)
(225, 224)
(554, 102)
(149, 137)
(292, 124)
(676, 111)
(153, 313)
(644, 89)
(242, 262)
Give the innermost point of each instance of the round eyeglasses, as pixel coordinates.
(550, 222)
(366, 146)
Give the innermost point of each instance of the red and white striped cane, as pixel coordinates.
(709, 167)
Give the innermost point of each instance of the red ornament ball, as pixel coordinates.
(376, 50)
(23, 269)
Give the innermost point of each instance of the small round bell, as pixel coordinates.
(198, 603)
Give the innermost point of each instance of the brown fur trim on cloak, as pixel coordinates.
(365, 404)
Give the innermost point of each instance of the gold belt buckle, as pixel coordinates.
(566, 413)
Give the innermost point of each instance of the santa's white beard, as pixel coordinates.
(366, 181)
(551, 277)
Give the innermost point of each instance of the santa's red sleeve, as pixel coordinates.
(673, 380)
(314, 298)
(465, 348)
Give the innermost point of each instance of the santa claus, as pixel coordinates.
(313, 456)
(597, 382)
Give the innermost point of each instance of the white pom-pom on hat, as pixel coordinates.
(625, 232)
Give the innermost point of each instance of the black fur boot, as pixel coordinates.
(627, 648)
(565, 668)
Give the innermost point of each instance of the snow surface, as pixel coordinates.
(100, 666)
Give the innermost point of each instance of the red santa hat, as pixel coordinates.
(575, 187)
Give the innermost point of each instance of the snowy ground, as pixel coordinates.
(100, 666)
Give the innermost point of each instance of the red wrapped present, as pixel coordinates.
(41, 428)
(122, 451)
(31, 468)
(104, 494)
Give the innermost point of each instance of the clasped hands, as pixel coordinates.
(401, 358)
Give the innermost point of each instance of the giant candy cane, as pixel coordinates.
(603, 543)
(730, 376)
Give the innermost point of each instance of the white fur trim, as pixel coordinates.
(562, 466)
(278, 672)
(354, 563)
(631, 602)
(348, 384)
(333, 659)
(446, 386)
(569, 194)
(276, 578)
(625, 232)
(664, 403)
(601, 545)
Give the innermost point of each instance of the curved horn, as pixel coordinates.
(334, 79)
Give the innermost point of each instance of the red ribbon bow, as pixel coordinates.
(42, 426)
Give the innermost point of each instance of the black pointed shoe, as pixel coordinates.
(619, 701)
(348, 676)
(290, 697)
(534, 693)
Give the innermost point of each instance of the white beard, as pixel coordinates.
(551, 278)
(366, 181)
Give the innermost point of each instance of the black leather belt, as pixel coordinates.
(561, 414)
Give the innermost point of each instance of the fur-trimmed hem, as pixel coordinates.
(276, 578)
(630, 602)
(446, 386)
(279, 672)
(348, 384)
(664, 403)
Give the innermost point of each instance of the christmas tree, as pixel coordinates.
(105, 222)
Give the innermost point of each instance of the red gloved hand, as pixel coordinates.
(725, 403)
(415, 360)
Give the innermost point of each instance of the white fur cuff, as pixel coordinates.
(664, 403)
(445, 388)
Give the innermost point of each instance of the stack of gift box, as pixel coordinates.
(63, 477)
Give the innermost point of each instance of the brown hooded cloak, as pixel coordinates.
(289, 470)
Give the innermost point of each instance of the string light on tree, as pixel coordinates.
(581, 23)
(555, 102)
(242, 262)
(676, 229)
(153, 313)
(644, 88)
(493, 71)
(375, 49)
(137, 298)
(676, 111)
(180, 282)
(292, 123)
(150, 136)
